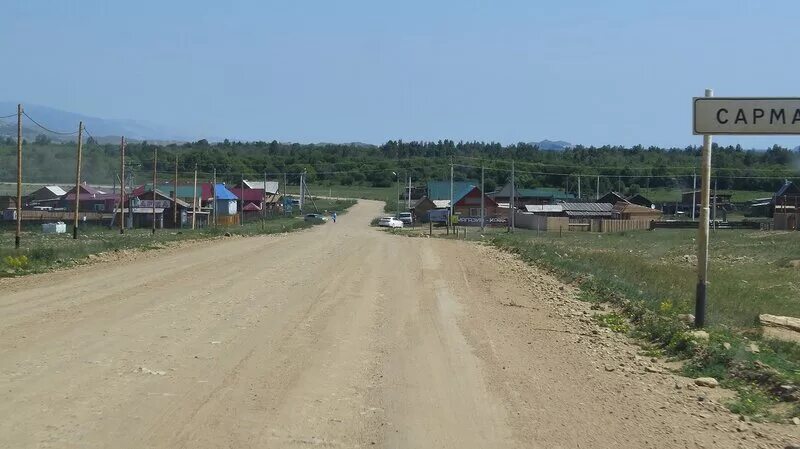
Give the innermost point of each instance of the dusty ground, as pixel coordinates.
(339, 336)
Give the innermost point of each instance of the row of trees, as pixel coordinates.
(359, 164)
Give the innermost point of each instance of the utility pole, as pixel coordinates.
(175, 196)
(694, 194)
(597, 190)
(19, 177)
(264, 204)
(451, 193)
(579, 186)
(285, 193)
(194, 197)
(78, 183)
(483, 195)
(213, 194)
(122, 185)
(408, 199)
(512, 200)
(397, 192)
(241, 191)
(155, 179)
(702, 231)
(302, 190)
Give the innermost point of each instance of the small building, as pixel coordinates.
(629, 211)
(467, 203)
(47, 195)
(169, 212)
(421, 208)
(90, 199)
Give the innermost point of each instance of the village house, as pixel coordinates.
(47, 196)
(169, 212)
(90, 199)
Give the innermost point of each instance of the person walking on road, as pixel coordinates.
(333, 215)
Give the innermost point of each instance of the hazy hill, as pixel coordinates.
(100, 128)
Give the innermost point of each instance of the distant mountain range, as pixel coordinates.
(104, 130)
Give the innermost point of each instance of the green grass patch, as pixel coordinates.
(613, 321)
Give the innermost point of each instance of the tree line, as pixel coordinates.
(625, 168)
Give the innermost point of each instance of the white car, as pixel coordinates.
(390, 222)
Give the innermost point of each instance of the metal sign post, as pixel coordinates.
(735, 116)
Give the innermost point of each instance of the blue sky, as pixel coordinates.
(590, 72)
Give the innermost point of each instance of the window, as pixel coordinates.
(99, 207)
(474, 211)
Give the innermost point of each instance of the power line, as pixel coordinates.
(47, 129)
(8, 116)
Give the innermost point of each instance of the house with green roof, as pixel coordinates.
(523, 196)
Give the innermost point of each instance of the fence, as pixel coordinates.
(66, 216)
(602, 225)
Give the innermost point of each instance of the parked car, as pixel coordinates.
(390, 222)
(316, 217)
(406, 218)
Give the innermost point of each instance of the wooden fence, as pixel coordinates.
(65, 216)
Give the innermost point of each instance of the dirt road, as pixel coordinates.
(339, 336)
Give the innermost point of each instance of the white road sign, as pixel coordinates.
(746, 115)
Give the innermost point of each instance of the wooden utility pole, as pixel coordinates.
(483, 195)
(78, 182)
(19, 177)
(241, 190)
(452, 206)
(175, 196)
(512, 201)
(194, 199)
(702, 231)
(122, 185)
(597, 190)
(214, 195)
(285, 192)
(155, 180)
(694, 194)
(579, 187)
(264, 203)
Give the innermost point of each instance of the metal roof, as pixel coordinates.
(544, 208)
(441, 204)
(272, 186)
(440, 190)
(587, 207)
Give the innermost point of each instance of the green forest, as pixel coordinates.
(626, 168)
